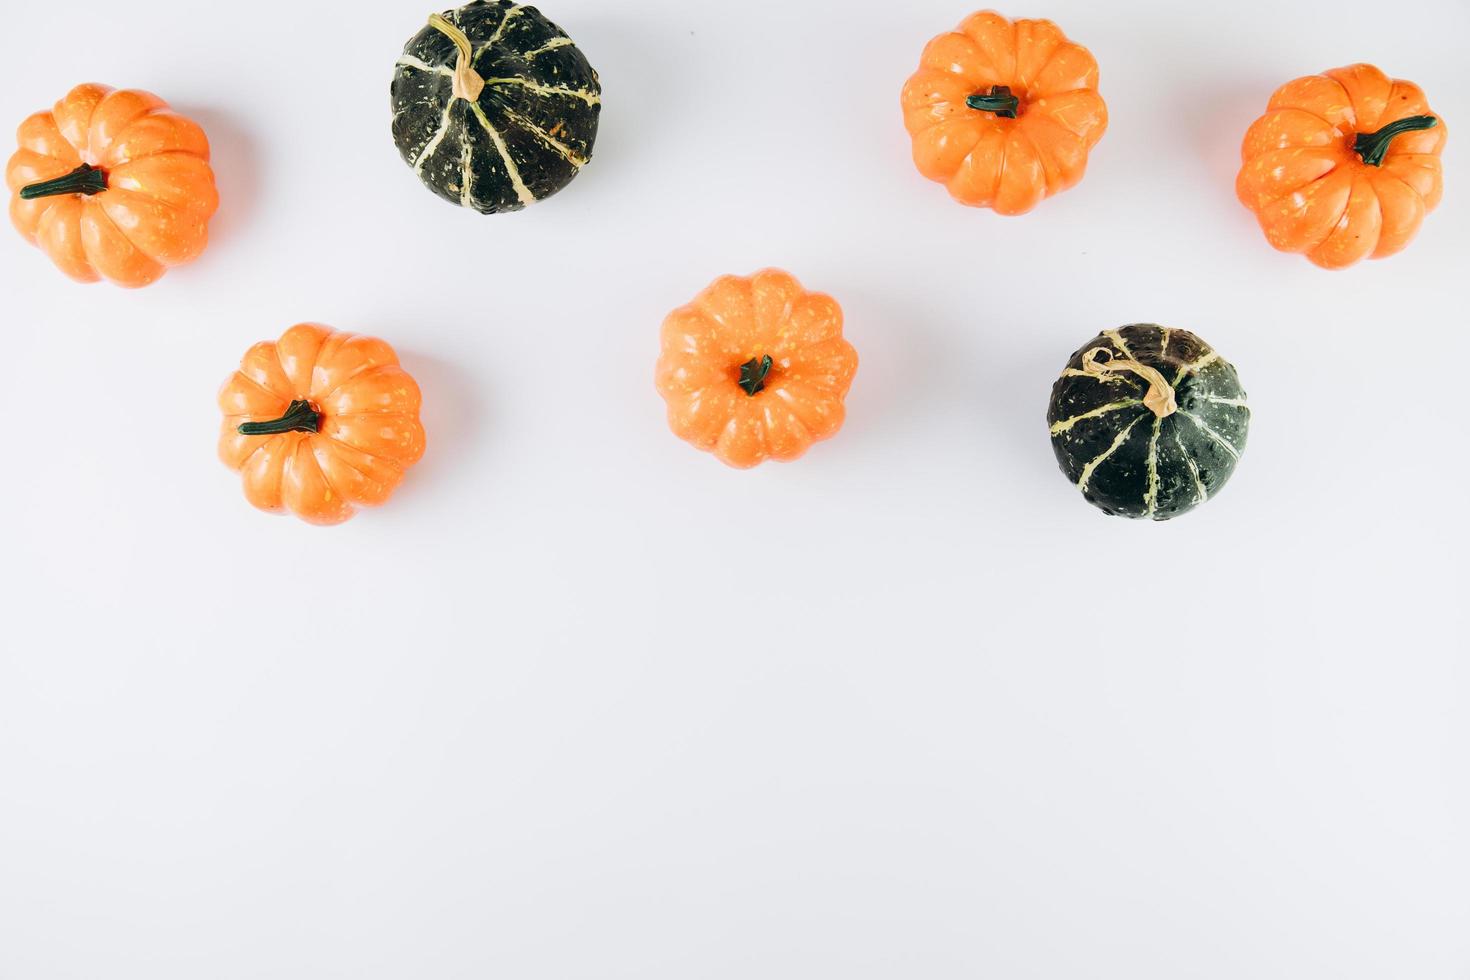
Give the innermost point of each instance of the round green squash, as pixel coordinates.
(1148, 421)
(494, 107)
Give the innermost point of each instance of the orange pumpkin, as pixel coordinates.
(1004, 112)
(755, 369)
(320, 423)
(111, 184)
(1343, 166)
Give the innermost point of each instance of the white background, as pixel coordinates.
(580, 702)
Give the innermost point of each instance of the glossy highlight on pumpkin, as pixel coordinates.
(320, 423)
(1004, 113)
(1343, 166)
(112, 184)
(755, 368)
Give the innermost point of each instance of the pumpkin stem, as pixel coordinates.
(83, 180)
(1372, 146)
(753, 374)
(467, 82)
(1000, 101)
(300, 417)
(1160, 396)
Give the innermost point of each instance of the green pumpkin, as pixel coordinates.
(494, 107)
(1148, 421)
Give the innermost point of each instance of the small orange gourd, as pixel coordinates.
(1343, 166)
(112, 184)
(1004, 113)
(320, 423)
(755, 368)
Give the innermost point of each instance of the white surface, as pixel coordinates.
(583, 703)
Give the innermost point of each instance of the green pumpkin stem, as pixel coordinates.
(299, 417)
(753, 374)
(999, 101)
(83, 180)
(1372, 146)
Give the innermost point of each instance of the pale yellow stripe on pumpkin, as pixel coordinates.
(1200, 424)
(523, 193)
(466, 164)
(1199, 485)
(1119, 342)
(1091, 467)
(591, 98)
(499, 33)
(1065, 424)
(1232, 402)
(567, 152)
(1151, 496)
(1164, 345)
(552, 45)
(409, 61)
(435, 140)
(1197, 366)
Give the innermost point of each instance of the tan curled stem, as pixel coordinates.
(467, 82)
(1160, 396)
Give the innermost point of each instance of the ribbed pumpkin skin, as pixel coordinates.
(1313, 193)
(528, 134)
(709, 345)
(1125, 459)
(160, 194)
(993, 161)
(368, 435)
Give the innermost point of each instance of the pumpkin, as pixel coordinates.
(112, 184)
(494, 107)
(320, 423)
(1148, 421)
(755, 368)
(1343, 166)
(1004, 113)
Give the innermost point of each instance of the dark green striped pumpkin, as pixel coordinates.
(523, 136)
(1142, 448)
